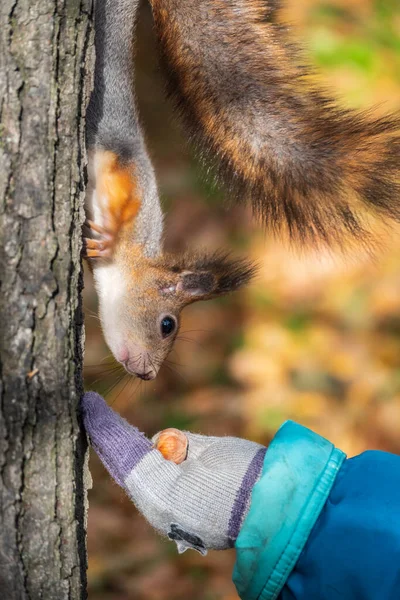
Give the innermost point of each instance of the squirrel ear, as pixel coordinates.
(201, 283)
(206, 276)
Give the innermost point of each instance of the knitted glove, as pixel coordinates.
(200, 503)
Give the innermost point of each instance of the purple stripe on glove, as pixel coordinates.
(244, 494)
(119, 445)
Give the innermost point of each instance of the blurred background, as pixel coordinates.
(314, 338)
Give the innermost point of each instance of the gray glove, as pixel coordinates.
(200, 503)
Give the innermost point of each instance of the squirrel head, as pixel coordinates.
(141, 302)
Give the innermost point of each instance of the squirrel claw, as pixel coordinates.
(96, 248)
(105, 233)
(100, 247)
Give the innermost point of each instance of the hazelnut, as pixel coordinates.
(173, 445)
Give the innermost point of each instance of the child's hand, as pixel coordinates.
(200, 503)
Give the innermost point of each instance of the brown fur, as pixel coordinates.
(310, 169)
(117, 186)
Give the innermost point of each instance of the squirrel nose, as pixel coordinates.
(137, 362)
(146, 376)
(134, 370)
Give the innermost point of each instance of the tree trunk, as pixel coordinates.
(43, 54)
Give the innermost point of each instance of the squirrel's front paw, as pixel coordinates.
(115, 199)
(99, 247)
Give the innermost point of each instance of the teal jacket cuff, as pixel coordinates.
(299, 470)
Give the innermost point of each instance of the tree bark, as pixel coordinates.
(43, 55)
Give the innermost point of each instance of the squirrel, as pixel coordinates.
(311, 170)
(141, 289)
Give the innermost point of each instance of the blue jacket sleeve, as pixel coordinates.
(321, 527)
(353, 552)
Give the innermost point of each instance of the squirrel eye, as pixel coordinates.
(168, 326)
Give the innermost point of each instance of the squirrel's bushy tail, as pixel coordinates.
(310, 168)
